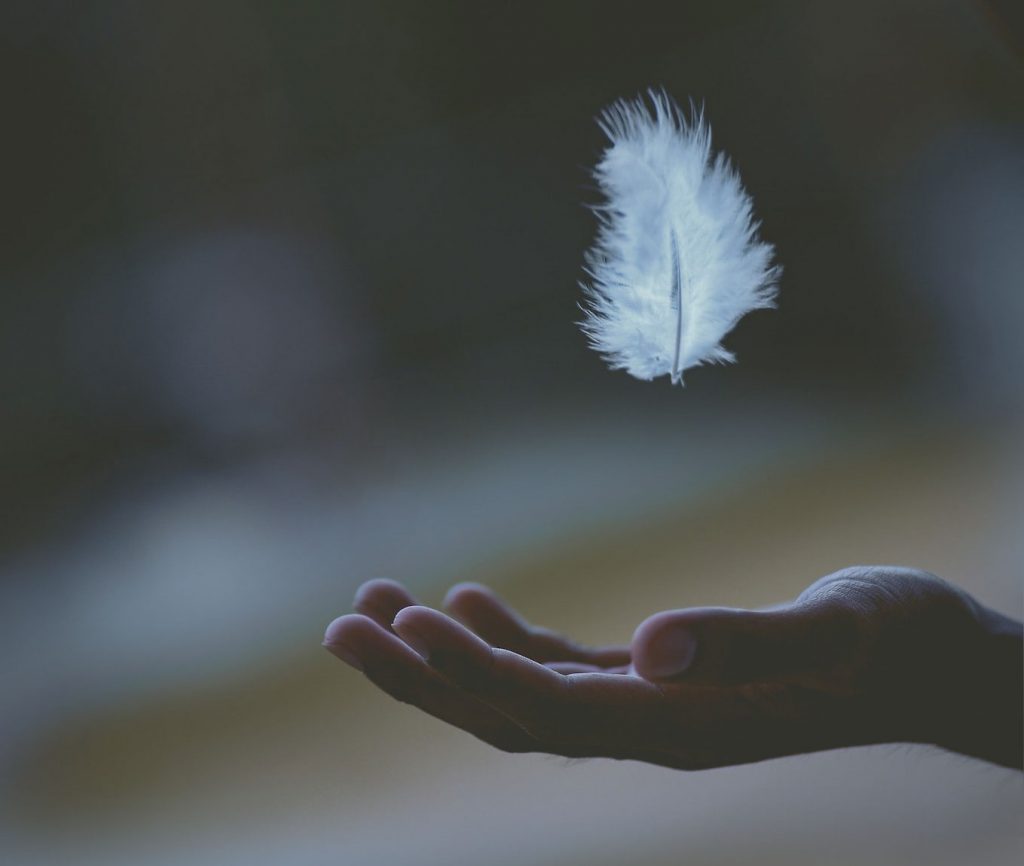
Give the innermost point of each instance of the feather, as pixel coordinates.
(677, 261)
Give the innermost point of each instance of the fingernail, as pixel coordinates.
(343, 653)
(412, 638)
(670, 653)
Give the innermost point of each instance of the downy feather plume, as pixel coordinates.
(677, 261)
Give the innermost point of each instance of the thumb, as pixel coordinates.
(724, 646)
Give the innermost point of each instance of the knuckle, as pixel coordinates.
(909, 628)
(861, 590)
(883, 594)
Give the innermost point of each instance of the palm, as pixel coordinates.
(525, 689)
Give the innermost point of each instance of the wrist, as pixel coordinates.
(985, 713)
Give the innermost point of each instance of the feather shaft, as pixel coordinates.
(677, 300)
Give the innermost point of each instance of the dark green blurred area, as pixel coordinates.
(435, 154)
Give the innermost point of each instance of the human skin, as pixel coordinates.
(865, 655)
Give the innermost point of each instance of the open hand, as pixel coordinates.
(865, 655)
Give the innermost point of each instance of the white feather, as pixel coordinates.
(677, 261)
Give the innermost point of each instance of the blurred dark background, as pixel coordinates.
(288, 296)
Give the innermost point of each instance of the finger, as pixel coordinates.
(531, 695)
(566, 668)
(396, 669)
(399, 671)
(498, 624)
(381, 599)
(723, 646)
(585, 714)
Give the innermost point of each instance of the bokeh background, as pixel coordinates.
(288, 301)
